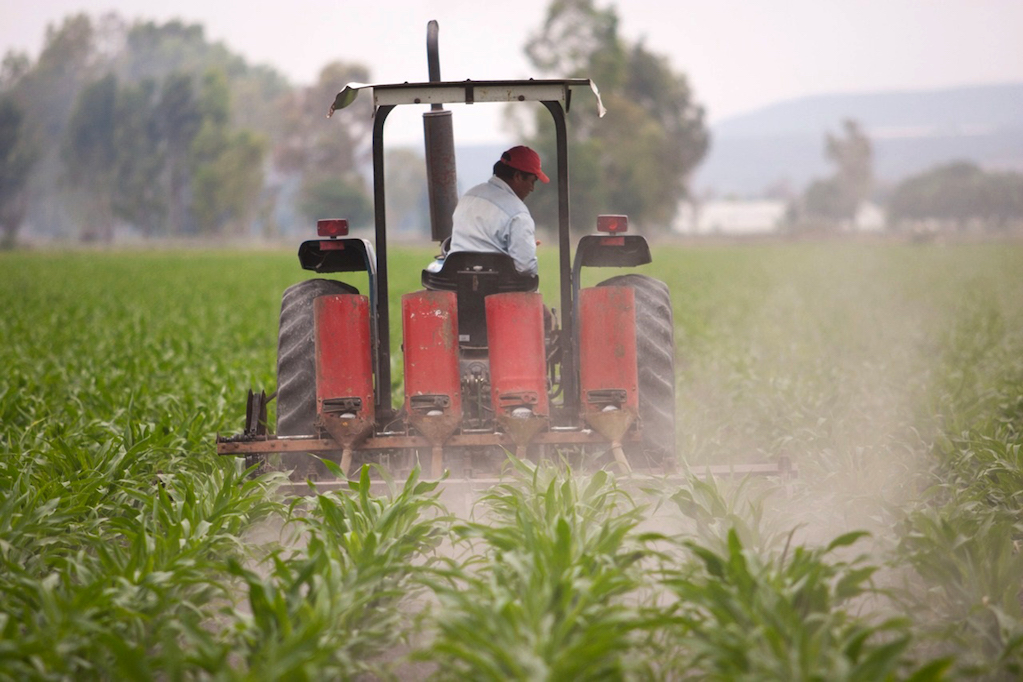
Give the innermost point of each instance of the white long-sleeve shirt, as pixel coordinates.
(490, 218)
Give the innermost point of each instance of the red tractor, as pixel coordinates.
(484, 374)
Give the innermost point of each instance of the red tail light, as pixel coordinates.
(333, 227)
(615, 224)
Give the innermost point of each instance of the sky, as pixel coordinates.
(739, 55)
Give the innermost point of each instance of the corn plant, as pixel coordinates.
(551, 586)
(785, 618)
(715, 507)
(119, 576)
(343, 599)
(965, 584)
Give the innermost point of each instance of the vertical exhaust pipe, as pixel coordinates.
(438, 134)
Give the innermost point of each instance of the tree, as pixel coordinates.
(158, 51)
(17, 157)
(328, 154)
(47, 91)
(89, 154)
(1004, 199)
(639, 158)
(207, 147)
(227, 166)
(958, 194)
(188, 152)
(227, 186)
(13, 68)
(577, 37)
(309, 141)
(328, 197)
(179, 123)
(139, 196)
(835, 200)
(242, 167)
(66, 64)
(853, 156)
(824, 200)
(154, 50)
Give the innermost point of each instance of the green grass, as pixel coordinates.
(891, 375)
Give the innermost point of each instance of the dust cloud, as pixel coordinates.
(829, 367)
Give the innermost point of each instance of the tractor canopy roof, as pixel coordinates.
(468, 92)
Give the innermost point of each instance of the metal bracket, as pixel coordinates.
(429, 401)
(607, 396)
(341, 405)
(255, 413)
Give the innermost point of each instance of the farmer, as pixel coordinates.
(492, 217)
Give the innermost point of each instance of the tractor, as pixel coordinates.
(487, 372)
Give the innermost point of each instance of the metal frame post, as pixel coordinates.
(384, 406)
(569, 363)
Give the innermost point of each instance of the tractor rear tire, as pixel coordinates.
(655, 359)
(296, 362)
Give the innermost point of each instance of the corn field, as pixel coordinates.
(891, 376)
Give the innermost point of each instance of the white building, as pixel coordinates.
(730, 217)
(870, 217)
(756, 216)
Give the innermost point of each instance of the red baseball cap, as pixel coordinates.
(524, 159)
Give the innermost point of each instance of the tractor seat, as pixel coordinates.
(473, 277)
(445, 277)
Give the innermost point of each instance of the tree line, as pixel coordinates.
(953, 196)
(153, 129)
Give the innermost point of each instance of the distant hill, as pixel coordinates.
(783, 144)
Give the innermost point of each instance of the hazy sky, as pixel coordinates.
(739, 54)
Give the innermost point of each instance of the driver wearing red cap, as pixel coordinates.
(493, 218)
